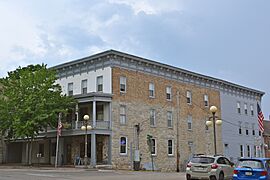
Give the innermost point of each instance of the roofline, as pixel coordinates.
(137, 58)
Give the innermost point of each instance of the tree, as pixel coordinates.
(30, 101)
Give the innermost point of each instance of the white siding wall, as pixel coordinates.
(91, 77)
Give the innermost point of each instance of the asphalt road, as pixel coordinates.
(82, 174)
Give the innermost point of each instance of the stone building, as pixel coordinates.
(128, 98)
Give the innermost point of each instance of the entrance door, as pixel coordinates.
(99, 152)
(69, 159)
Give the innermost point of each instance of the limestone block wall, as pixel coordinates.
(138, 105)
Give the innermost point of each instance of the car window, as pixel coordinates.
(227, 161)
(252, 163)
(205, 160)
(221, 160)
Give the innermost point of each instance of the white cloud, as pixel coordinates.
(151, 6)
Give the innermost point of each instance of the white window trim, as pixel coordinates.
(125, 83)
(170, 119)
(172, 147)
(169, 91)
(189, 120)
(152, 90)
(125, 109)
(155, 123)
(123, 154)
(189, 95)
(206, 99)
(155, 147)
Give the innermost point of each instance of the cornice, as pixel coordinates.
(112, 58)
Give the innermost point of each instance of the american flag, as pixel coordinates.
(59, 128)
(260, 118)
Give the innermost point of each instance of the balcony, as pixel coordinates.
(100, 124)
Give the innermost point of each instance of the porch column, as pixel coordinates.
(94, 113)
(76, 116)
(93, 149)
(110, 150)
(110, 115)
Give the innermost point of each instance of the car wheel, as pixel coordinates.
(221, 176)
(213, 178)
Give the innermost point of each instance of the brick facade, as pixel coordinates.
(138, 104)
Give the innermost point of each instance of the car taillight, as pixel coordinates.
(235, 172)
(214, 166)
(189, 165)
(264, 173)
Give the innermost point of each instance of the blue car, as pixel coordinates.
(252, 168)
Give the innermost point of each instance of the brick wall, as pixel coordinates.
(138, 104)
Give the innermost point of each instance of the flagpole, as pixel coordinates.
(57, 141)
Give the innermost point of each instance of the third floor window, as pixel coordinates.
(100, 83)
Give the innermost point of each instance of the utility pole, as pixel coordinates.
(177, 135)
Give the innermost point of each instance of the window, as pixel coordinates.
(169, 119)
(240, 128)
(245, 107)
(206, 100)
(254, 151)
(170, 147)
(189, 120)
(260, 133)
(152, 117)
(100, 111)
(253, 130)
(123, 84)
(123, 146)
(251, 110)
(189, 97)
(41, 149)
(84, 86)
(151, 90)
(122, 114)
(154, 147)
(246, 131)
(238, 108)
(169, 93)
(70, 89)
(248, 150)
(190, 146)
(241, 151)
(100, 83)
(53, 149)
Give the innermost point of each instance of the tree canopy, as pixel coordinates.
(30, 100)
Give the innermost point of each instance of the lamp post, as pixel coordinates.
(85, 127)
(214, 122)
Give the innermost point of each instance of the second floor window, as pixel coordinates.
(189, 121)
(84, 86)
(205, 100)
(152, 117)
(189, 98)
(100, 83)
(169, 119)
(70, 89)
(151, 90)
(169, 93)
(123, 84)
(122, 114)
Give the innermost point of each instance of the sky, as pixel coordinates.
(226, 39)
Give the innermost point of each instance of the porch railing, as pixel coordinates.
(100, 124)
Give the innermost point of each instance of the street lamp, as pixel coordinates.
(85, 127)
(214, 122)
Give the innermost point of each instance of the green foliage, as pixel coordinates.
(30, 100)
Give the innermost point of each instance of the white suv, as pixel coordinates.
(209, 167)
